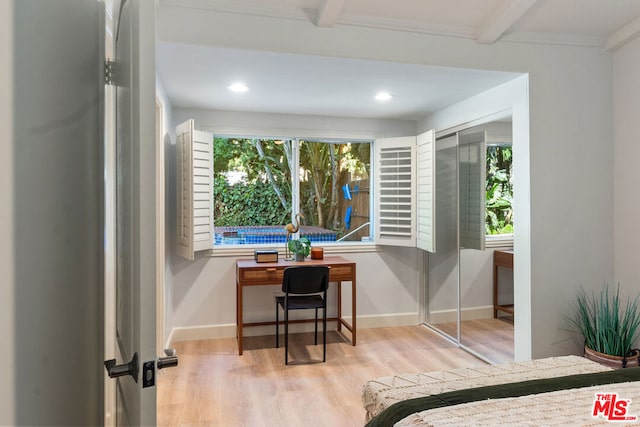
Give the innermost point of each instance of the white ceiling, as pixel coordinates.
(197, 76)
(300, 84)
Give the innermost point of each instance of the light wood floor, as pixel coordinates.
(492, 338)
(213, 386)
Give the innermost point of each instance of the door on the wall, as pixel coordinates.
(135, 231)
(443, 275)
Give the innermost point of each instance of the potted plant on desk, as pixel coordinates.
(300, 247)
(609, 328)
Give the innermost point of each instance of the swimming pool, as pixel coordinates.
(268, 234)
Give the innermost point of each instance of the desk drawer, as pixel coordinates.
(340, 272)
(269, 274)
(273, 274)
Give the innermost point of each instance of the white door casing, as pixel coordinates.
(160, 226)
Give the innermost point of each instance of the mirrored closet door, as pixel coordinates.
(442, 292)
(471, 186)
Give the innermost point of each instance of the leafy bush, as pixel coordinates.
(242, 204)
(499, 191)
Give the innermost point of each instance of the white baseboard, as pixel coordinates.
(473, 313)
(207, 332)
(387, 320)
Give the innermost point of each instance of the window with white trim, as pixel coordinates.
(320, 187)
(264, 191)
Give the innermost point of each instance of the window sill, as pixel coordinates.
(493, 241)
(329, 249)
(498, 241)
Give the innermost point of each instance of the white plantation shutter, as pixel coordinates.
(194, 153)
(426, 196)
(395, 191)
(184, 188)
(473, 160)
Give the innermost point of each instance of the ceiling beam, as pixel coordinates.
(329, 12)
(507, 13)
(624, 35)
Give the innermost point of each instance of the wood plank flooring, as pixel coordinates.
(213, 386)
(492, 338)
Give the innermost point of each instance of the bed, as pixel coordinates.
(553, 391)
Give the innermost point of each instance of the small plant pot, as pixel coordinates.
(299, 257)
(616, 362)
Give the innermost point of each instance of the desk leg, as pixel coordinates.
(239, 316)
(353, 309)
(351, 327)
(339, 306)
(495, 289)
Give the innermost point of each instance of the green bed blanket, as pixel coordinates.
(400, 410)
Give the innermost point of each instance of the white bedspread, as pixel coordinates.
(379, 394)
(559, 408)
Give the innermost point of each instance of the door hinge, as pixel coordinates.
(110, 72)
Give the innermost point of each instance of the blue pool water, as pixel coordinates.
(268, 234)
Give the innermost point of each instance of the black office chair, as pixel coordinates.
(304, 287)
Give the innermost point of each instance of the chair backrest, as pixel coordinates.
(306, 279)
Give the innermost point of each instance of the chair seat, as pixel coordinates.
(300, 302)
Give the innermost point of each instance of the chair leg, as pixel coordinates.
(286, 335)
(277, 326)
(316, 335)
(324, 333)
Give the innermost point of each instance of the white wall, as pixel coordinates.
(55, 281)
(204, 294)
(7, 290)
(569, 156)
(626, 158)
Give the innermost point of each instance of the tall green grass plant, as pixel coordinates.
(606, 325)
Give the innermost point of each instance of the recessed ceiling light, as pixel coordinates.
(383, 96)
(238, 87)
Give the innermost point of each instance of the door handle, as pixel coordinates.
(170, 360)
(132, 368)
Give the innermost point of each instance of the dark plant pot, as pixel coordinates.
(616, 362)
(299, 257)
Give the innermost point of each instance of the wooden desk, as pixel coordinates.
(501, 259)
(251, 273)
